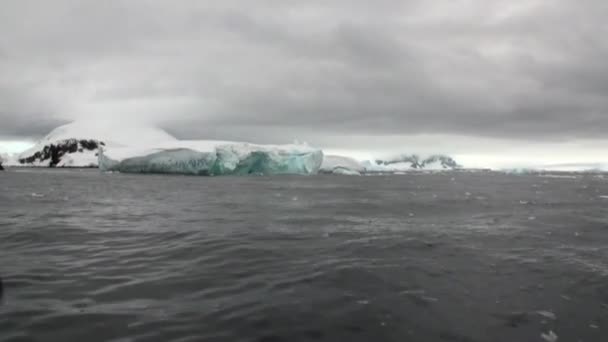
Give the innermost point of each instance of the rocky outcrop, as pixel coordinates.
(437, 161)
(51, 155)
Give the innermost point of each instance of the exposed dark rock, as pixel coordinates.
(55, 151)
(1, 168)
(413, 159)
(417, 163)
(446, 162)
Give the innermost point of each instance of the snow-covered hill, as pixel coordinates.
(341, 165)
(413, 162)
(64, 153)
(77, 144)
(110, 133)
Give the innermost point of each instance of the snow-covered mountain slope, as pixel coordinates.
(64, 153)
(77, 144)
(110, 133)
(209, 157)
(440, 162)
(341, 165)
(411, 163)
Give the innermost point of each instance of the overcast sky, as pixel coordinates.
(341, 74)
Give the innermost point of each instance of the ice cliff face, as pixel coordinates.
(241, 159)
(213, 158)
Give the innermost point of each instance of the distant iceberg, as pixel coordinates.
(213, 158)
(340, 165)
(7, 160)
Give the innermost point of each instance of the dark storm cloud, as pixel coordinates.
(271, 70)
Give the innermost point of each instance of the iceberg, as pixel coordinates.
(213, 158)
(340, 165)
(169, 161)
(345, 172)
(7, 160)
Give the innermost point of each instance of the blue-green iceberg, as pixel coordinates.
(213, 158)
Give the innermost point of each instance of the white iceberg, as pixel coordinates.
(8, 159)
(341, 165)
(213, 158)
(345, 172)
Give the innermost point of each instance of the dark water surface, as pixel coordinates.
(459, 257)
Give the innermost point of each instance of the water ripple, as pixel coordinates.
(125, 258)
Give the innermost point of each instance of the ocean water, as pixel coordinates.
(86, 256)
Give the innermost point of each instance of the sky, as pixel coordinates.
(490, 81)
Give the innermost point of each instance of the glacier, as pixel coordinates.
(213, 158)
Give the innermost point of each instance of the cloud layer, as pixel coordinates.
(272, 70)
